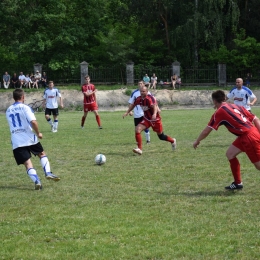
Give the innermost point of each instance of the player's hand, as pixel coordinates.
(62, 106)
(124, 115)
(153, 117)
(130, 113)
(196, 144)
(40, 135)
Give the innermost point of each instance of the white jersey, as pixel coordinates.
(19, 117)
(51, 96)
(138, 111)
(241, 96)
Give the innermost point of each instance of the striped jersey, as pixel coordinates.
(235, 118)
(88, 88)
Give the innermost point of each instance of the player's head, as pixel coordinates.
(141, 84)
(18, 94)
(143, 91)
(239, 83)
(87, 78)
(218, 96)
(51, 84)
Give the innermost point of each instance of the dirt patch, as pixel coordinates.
(113, 100)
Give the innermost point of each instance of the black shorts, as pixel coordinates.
(54, 111)
(138, 120)
(22, 154)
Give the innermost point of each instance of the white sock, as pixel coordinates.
(147, 136)
(33, 175)
(50, 122)
(55, 124)
(45, 164)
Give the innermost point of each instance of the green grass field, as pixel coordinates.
(161, 205)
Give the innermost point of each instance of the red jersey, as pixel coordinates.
(235, 118)
(147, 104)
(88, 88)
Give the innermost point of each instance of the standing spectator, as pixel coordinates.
(44, 80)
(15, 81)
(138, 111)
(21, 79)
(151, 119)
(146, 81)
(154, 81)
(174, 79)
(28, 81)
(248, 78)
(50, 96)
(22, 123)
(38, 78)
(241, 123)
(89, 102)
(242, 95)
(6, 80)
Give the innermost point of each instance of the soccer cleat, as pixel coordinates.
(148, 142)
(234, 186)
(174, 145)
(38, 185)
(50, 176)
(100, 127)
(54, 130)
(138, 151)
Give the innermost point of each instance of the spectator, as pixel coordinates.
(38, 77)
(154, 81)
(21, 79)
(174, 79)
(6, 80)
(248, 78)
(44, 80)
(33, 84)
(28, 81)
(146, 81)
(15, 81)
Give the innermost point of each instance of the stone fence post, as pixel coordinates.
(222, 74)
(176, 67)
(37, 67)
(130, 73)
(83, 71)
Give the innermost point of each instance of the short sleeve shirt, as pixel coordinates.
(88, 88)
(51, 96)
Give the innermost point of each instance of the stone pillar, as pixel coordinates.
(176, 67)
(222, 74)
(37, 66)
(130, 79)
(83, 71)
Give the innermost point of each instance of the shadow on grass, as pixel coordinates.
(217, 193)
(15, 188)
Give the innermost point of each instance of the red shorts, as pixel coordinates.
(250, 144)
(90, 107)
(156, 125)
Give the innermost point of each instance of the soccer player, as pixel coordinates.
(151, 119)
(89, 102)
(241, 123)
(25, 142)
(50, 103)
(242, 95)
(138, 111)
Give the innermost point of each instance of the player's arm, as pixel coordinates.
(155, 110)
(205, 132)
(61, 102)
(131, 112)
(35, 127)
(256, 122)
(130, 108)
(253, 101)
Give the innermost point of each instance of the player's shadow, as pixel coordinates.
(15, 188)
(216, 193)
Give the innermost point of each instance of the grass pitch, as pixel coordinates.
(161, 205)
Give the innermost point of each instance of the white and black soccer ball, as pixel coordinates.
(100, 159)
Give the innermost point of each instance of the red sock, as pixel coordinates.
(83, 120)
(235, 169)
(98, 120)
(138, 139)
(169, 139)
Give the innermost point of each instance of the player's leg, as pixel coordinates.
(158, 128)
(85, 109)
(138, 120)
(97, 118)
(22, 155)
(47, 117)
(231, 154)
(138, 129)
(55, 113)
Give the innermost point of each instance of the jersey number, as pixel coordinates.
(242, 116)
(16, 118)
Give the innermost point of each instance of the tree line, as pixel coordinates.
(61, 34)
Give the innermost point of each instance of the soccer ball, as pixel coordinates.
(100, 159)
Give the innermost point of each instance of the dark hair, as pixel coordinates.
(17, 94)
(219, 96)
(87, 76)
